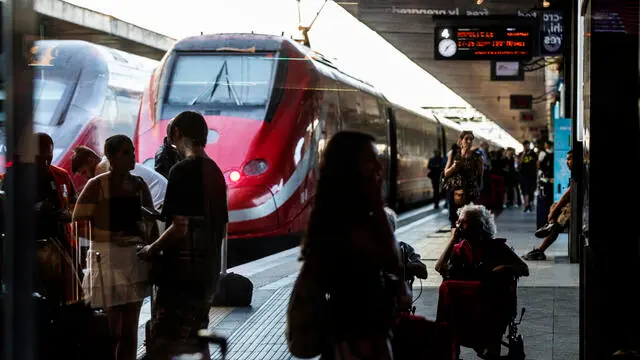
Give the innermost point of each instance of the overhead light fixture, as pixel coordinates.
(545, 3)
(479, 2)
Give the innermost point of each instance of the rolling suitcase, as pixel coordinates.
(93, 334)
(234, 289)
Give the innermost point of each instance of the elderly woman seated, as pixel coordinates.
(478, 296)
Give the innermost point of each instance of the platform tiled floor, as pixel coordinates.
(550, 294)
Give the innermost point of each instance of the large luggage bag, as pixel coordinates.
(234, 290)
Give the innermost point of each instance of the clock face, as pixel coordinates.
(447, 47)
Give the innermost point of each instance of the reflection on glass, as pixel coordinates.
(47, 96)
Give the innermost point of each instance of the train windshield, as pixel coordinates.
(214, 84)
(48, 95)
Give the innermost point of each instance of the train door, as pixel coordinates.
(393, 158)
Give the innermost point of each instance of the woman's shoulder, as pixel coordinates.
(98, 179)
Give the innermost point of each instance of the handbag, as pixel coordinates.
(307, 315)
(459, 197)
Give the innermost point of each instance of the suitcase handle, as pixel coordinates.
(104, 296)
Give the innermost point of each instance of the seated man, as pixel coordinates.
(476, 298)
(558, 220)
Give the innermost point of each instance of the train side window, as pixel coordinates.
(350, 109)
(361, 112)
(127, 107)
(109, 109)
(118, 115)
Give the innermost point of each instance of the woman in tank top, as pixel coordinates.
(117, 280)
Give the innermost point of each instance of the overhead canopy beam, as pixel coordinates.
(62, 20)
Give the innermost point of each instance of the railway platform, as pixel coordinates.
(550, 294)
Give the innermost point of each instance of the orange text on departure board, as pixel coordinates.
(476, 34)
(494, 44)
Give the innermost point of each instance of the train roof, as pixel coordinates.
(126, 71)
(414, 112)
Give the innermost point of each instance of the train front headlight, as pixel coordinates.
(234, 176)
(255, 167)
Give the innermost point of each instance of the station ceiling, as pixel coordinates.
(409, 26)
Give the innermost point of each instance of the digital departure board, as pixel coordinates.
(483, 43)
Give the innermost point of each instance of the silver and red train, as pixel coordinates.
(83, 93)
(272, 105)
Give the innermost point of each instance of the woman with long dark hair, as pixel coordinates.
(462, 176)
(351, 245)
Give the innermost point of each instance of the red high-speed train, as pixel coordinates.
(271, 105)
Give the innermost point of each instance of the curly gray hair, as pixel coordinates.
(484, 217)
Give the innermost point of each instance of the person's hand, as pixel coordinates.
(499, 269)
(454, 232)
(455, 165)
(145, 253)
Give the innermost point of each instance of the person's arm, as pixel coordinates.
(446, 254)
(416, 266)
(566, 197)
(173, 209)
(450, 168)
(147, 201)
(560, 204)
(86, 204)
(177, 230)
(85, 207)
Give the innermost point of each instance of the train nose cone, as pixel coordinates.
(252, 209)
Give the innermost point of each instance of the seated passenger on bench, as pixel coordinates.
(558, 220)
